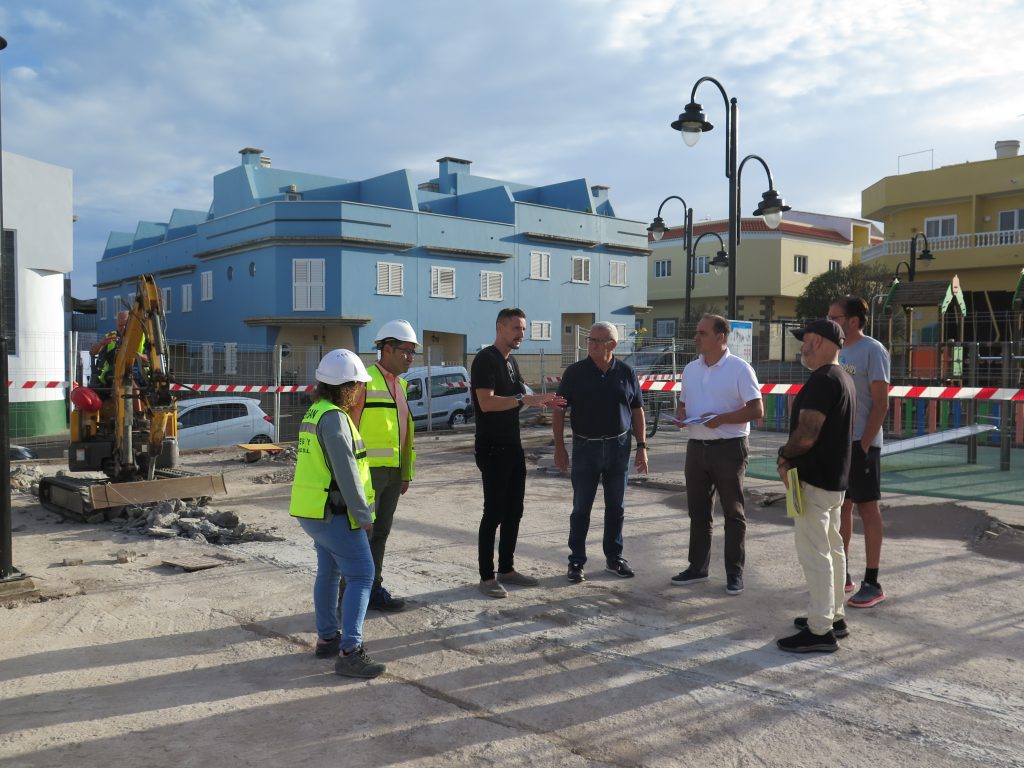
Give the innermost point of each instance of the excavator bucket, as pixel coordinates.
(105, 495)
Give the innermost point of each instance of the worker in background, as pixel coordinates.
(386, 425)
(332, 497)
(105, 350)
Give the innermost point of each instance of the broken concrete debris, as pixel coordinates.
(169, 519)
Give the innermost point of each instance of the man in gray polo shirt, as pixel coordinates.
(721, 391)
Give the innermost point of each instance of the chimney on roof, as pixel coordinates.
(446, 165)
(251, 156)
(1008, 148)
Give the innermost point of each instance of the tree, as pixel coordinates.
(864, 280)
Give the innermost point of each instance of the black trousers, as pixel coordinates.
(716, 467)
(503, 471)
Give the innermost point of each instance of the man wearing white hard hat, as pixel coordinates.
(332, 497)
(386, 425)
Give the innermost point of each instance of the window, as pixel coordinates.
(702, 265)
(834, 265)
(1008, 222)
(448, 384)
(663, 268)
(206, 286)
(581, 269)
(664, 329)
(165, 300)
(103, 309)
(442, 282)
(389, 279)
(116, 304)
(617, 273)
(207, 361)
(540, 330)
(307, 285)
(415, 390)
(490, 286)
(800, 264)
(186, 297)
(9, 274)
(540, 265)
(231, 357)
(940, 226)
(621, 329)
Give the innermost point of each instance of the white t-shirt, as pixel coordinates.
(726, 386)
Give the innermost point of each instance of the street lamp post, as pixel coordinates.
(691, 124)
(926, 255)
(658, 229)
(8, 573)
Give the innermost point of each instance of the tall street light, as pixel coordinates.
(658, 229)
(926, 255)
(691, 123)
(8, 573)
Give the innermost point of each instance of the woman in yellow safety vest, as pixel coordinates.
(332, 498)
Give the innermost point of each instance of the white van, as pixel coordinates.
(449, 401)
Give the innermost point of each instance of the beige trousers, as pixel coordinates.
(819, 547)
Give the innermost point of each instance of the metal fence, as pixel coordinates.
(277, 376)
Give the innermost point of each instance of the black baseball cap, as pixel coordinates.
(827, 329)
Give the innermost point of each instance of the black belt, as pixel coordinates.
(599, 439)
(718, 441)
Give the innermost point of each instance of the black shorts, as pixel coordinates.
(865, 474)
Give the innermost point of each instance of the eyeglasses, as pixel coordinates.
(594, 340)
(837, 318)
(407, 351)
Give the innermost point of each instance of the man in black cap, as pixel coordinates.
(819, 449)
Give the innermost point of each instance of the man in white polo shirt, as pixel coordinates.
(720, 397)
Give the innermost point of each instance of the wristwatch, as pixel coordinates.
(641, 445)
(519, 398)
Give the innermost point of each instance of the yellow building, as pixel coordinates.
(774, 268)
(972, 217)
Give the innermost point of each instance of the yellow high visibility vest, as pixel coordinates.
(313, 479)
(380, 428)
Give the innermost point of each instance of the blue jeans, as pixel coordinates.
(607, 462)
(340, 551)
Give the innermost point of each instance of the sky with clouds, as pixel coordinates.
(146, 101)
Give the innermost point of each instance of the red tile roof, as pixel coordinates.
(758, 225)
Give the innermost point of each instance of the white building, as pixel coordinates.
(37, 221)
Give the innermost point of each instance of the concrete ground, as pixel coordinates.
(143, 664)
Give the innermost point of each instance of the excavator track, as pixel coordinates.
(88, 500)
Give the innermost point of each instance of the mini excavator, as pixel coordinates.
(128, 430)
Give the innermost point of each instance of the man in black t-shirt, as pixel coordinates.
(819, 449)
(499, 393)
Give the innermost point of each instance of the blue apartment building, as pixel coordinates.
(312, 262)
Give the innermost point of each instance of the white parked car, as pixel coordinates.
(208, 422)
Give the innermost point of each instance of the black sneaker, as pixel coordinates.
(382, 600)
(839, 628)
(575, 574)
(733, 584)
(620, 568)
(689, 577)
(357, 664)
(326, 649)
(806, 641)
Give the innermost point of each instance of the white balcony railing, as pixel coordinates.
(974, 240)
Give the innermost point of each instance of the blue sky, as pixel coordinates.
(145, 101)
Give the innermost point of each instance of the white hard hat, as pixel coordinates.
(340, 366)
(397, 329)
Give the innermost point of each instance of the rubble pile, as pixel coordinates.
(25, 478)
(281, 476)
(169, 519)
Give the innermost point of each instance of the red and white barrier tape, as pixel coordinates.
(659, 383)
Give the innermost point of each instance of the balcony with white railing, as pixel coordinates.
(955, 242)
